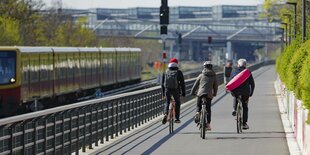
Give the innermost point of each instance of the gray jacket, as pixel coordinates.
(206, 84)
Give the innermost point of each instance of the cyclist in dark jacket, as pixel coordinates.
(227, 71)
(246, 90)
(205, 86)
(175, 92)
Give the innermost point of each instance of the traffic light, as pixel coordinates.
(209, 39)
(164, 13)
(163, 29)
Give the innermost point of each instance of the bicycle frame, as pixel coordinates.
(239, 114)
(203, 115)
(171, 115)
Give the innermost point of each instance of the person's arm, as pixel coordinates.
(252, 85)
(182, 82)
(196, 85)
(215, 86)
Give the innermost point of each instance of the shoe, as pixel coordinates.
(233, 113)
(164, 121)
(208, 126)
(245, 126)
(197, 116)
(177, 121)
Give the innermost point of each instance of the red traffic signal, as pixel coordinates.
(209, 39)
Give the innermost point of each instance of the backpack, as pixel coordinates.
(171, 79)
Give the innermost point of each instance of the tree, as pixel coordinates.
(9, 32)
(71, 34)
(24, 12)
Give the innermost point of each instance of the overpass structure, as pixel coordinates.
(235, 31)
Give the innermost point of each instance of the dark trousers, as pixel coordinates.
(176, 96)
(208, 107)
(245, 101)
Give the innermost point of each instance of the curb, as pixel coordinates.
(289, 132)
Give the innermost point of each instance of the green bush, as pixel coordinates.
(294, 68)
(304, 82)
(284, 60)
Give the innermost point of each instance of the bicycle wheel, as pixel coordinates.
(203, 124)
(239, 119)
(171, 121)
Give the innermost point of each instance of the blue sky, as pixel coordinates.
(85, 4)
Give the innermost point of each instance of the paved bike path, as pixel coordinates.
(265, 136)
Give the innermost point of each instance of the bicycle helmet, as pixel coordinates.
(242, 63)
(207, 64)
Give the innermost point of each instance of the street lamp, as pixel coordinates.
(295, 16)
(304, 20)
(285, 32)
(289, 27)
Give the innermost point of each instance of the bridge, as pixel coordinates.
(130, 123)
(235, 30)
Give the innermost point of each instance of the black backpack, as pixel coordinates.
(171, 79)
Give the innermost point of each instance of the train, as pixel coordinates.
(55, 76)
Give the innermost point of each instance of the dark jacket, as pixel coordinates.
(227, 71)
(180, 77)
(247, 88)
(206, 83)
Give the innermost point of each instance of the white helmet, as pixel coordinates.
(242, 62)
(207, 63)
(173, 64)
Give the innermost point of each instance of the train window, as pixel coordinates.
(34, 68)
(7, 67)
(25, 69)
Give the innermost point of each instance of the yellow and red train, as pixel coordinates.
(58, 74)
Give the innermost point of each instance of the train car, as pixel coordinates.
(58, 75)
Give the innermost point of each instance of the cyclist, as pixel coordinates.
(246, 90)
(227, 71)
(205, 86)
(173, 85)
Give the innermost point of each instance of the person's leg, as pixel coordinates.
(168, 99)
(198, 109)
(208, 108)
(198, 104)
(176, 96)
(235, 101)
(245, 100)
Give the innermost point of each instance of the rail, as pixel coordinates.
(67, 129)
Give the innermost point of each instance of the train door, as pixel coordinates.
(34, 75)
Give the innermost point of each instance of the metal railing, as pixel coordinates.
(67, 129)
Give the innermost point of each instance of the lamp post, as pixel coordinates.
(285, 32)
(295, 16)
(289, 27)
(304, 20)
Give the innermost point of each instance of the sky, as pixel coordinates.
(86, 4)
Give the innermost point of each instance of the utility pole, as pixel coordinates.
(295, 16)
(164, 21)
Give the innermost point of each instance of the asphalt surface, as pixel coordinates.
(266, 135)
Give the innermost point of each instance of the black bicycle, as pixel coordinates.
(203, 115)
(239, 114)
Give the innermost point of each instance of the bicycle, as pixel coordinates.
(171, 115)
(203, 115)
(239, 114)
